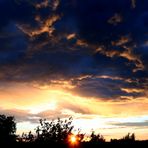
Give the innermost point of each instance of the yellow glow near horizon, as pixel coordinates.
(43, 107)
(87, 111)
(38, 100)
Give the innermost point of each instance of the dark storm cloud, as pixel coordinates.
(115, 88)
(99, 46)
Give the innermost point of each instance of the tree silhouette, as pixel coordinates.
(26, 137)
(55, 131)
(7, 128)
(129, 137)
(96, 138)
(80, 136)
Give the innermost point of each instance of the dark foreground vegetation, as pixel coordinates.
(59, 134)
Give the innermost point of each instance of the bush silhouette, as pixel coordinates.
(7, 128)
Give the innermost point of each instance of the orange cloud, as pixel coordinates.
(45, 26)
(132, 57)
(81, 42)
(127, 54)
(132, 90)
(123, 40)
(43, 4)
(53, 4)
(71, 36)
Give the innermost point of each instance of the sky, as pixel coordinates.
(81, 58)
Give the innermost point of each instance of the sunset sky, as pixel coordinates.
(82, 58)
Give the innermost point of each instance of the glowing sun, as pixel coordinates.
(73, 139)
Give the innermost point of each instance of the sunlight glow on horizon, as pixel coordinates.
(43, 107)
(52, 103)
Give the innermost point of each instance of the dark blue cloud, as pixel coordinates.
(93, 16)
(109, 39)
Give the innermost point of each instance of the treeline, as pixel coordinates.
(59, 132)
